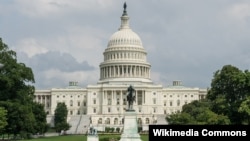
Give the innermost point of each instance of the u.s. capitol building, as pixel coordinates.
(102, 105)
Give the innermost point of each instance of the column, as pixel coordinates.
(122, 70)
(109, 71)
(130, 72)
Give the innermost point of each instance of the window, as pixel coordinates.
(185, 95)
(139, 98)
(108, 121)
(78, 112)
(124, 101)
(100, 121)
(147, 120)
(94, 110)
(109, 110)
(154, 110)
(94, 101)
(139, 121)
(191, 95)
(165, 103)
(178, 102)
(116, 121)
(71, 112)
(78, 103)
(109, 101)
(154, 100)
(118, 101)
(170, 103)
(84, 103)
(71, 102)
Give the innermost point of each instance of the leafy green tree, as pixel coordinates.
(229, 88)
(227, 101)
(19, 118)
(3, 119)
(17, 93)
(15, 78)
(60, 119)
(197, 113)
(180, 118)
(244, 109)
(41, 125)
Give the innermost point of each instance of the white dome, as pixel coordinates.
(125, 37)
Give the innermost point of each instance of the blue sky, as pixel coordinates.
(187, 40)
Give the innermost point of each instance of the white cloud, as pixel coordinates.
(30, 46)
(185, 40)
(238, 13)
(47, 8)
(83, 77)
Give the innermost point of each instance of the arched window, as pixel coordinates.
(139, 121)
(108, 121)
(116, 121)
(147, 120)
(100, 121)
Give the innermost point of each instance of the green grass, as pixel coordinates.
(78, 138)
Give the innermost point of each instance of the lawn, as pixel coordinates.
(78, 138)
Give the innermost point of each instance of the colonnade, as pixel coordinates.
(124, 71)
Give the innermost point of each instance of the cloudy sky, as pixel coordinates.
(187, 40)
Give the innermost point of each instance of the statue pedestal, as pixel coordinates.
(92, 138)
(130, 129)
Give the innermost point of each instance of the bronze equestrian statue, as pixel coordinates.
(130, 98)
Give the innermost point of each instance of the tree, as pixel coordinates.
(60, 119)
(3, 119)
(16, 78)
(244, 109)
(41, 125)
(16, 93)
(229, 88)
(227, 101)
(197, 113)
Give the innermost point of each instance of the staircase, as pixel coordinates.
(73, 121)
(83, 125)
(79, 124)
(161, 119)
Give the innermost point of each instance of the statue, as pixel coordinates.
(92, 131)
(130, 98)
(125, 6)
(124, 9)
